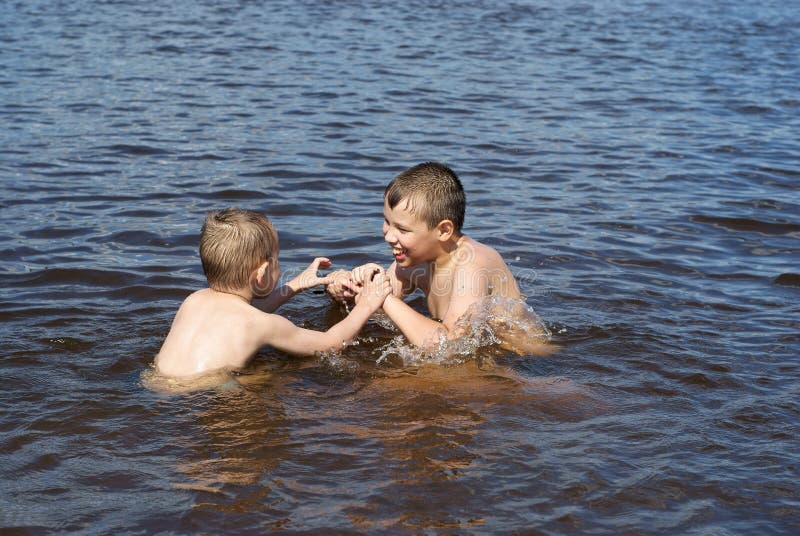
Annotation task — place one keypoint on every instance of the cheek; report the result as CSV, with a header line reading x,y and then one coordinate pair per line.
x,y
405,241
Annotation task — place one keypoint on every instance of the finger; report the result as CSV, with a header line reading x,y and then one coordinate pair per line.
x,y
316,262
327,280
325,262
370,269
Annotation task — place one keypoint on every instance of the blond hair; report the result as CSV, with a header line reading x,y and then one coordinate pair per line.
x,y
433,193
234,242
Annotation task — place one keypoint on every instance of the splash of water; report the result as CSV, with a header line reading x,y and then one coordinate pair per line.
x,y
338,365
507,323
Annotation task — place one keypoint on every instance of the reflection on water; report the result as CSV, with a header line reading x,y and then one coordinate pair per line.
x,y
242,436
220,379
426,424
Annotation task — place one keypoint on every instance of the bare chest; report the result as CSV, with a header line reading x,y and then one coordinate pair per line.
x,y
439,288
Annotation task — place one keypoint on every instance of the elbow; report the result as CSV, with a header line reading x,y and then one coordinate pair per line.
x,y
433,340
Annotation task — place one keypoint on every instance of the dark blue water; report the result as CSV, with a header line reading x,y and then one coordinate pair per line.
x,y
636,163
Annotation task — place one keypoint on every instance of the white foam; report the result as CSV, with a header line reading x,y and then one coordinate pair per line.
x,y
494,322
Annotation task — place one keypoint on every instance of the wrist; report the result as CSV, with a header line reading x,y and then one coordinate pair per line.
x,y
389,299
362,307
294,286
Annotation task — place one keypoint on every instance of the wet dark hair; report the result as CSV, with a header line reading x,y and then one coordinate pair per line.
x,y
233,243
433,193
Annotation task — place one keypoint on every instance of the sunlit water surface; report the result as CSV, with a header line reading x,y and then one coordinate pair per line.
x,y
636,164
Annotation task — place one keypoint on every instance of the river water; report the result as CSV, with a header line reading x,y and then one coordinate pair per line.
x,y
636,163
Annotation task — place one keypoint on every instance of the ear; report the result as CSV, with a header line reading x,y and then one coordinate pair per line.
x,y
261,273
445,230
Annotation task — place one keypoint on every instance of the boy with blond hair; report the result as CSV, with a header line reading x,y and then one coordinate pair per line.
x,y
423,212
220,328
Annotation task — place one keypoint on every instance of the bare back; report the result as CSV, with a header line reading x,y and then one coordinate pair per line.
x,y
216,330
211,330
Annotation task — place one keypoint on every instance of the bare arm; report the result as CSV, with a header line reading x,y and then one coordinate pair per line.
x,y
419,330
426,332
275,299
307,279
284,335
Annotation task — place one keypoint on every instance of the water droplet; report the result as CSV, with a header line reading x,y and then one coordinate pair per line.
x,y
496,320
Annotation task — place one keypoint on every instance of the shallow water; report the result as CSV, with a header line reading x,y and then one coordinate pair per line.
x,y
635,163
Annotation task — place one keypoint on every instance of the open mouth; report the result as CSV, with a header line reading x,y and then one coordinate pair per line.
x,y
399,254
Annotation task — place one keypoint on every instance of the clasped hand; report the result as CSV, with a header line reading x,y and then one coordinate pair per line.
x,y
346,286
373,288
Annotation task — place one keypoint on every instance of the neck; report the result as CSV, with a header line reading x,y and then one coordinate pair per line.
x,y
246,296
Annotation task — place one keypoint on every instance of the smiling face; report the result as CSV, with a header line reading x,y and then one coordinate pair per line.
x,y
411,240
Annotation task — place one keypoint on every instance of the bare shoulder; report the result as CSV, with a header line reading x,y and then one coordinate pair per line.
x,y
472,254
199,298
484,263
252,318
214,312
193,304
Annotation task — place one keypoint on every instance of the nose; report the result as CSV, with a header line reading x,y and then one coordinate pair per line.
x,y
387,235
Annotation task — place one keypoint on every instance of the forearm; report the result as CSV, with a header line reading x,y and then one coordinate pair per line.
x,y
282,334
347,329
275,299
418,329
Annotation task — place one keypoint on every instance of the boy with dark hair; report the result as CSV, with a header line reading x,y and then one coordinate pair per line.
x,y
423,214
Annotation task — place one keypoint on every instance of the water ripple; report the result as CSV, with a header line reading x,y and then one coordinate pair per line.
x,y
635,163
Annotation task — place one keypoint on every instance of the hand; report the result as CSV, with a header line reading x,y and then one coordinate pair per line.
x,y
375,291
341,288
309,277
361,274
